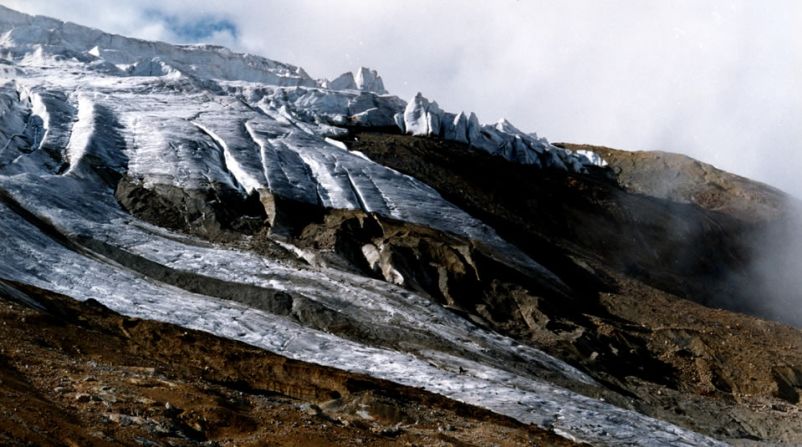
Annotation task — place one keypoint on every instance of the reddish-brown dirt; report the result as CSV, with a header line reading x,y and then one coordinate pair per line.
x,y
79,374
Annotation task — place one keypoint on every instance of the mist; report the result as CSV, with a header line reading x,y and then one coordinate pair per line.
x,y
775,268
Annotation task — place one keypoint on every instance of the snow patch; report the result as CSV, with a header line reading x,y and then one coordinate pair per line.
x,y
336,143
81,133
593,158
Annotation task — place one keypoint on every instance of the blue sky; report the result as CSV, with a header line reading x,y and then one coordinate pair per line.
x,y
718,80
194,29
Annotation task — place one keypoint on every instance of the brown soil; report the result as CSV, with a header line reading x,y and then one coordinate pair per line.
x,y
78,374
680,178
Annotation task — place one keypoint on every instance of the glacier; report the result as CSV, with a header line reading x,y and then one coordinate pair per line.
x,y
80,107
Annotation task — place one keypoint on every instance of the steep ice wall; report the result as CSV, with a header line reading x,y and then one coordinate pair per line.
x,y
369,80
364,79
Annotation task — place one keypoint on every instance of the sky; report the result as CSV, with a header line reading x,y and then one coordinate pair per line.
x,y
720,81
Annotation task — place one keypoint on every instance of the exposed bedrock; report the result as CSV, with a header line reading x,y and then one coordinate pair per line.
x,y
465,276
457,273
214,213
700,253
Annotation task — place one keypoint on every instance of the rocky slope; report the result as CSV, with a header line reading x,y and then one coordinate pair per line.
x,y
472,274
635,262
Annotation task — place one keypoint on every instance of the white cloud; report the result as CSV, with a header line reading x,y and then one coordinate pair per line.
x,y
717,80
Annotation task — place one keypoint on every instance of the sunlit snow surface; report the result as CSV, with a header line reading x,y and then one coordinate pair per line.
x,y
72,99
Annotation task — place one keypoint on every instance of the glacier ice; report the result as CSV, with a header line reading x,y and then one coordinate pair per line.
x,y
422,117
364,79
78,106
343,82
369,80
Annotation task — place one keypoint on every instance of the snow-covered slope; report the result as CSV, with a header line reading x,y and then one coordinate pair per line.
x,y
80,108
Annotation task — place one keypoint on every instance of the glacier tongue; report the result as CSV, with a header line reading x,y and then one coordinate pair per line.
x,y
79,108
